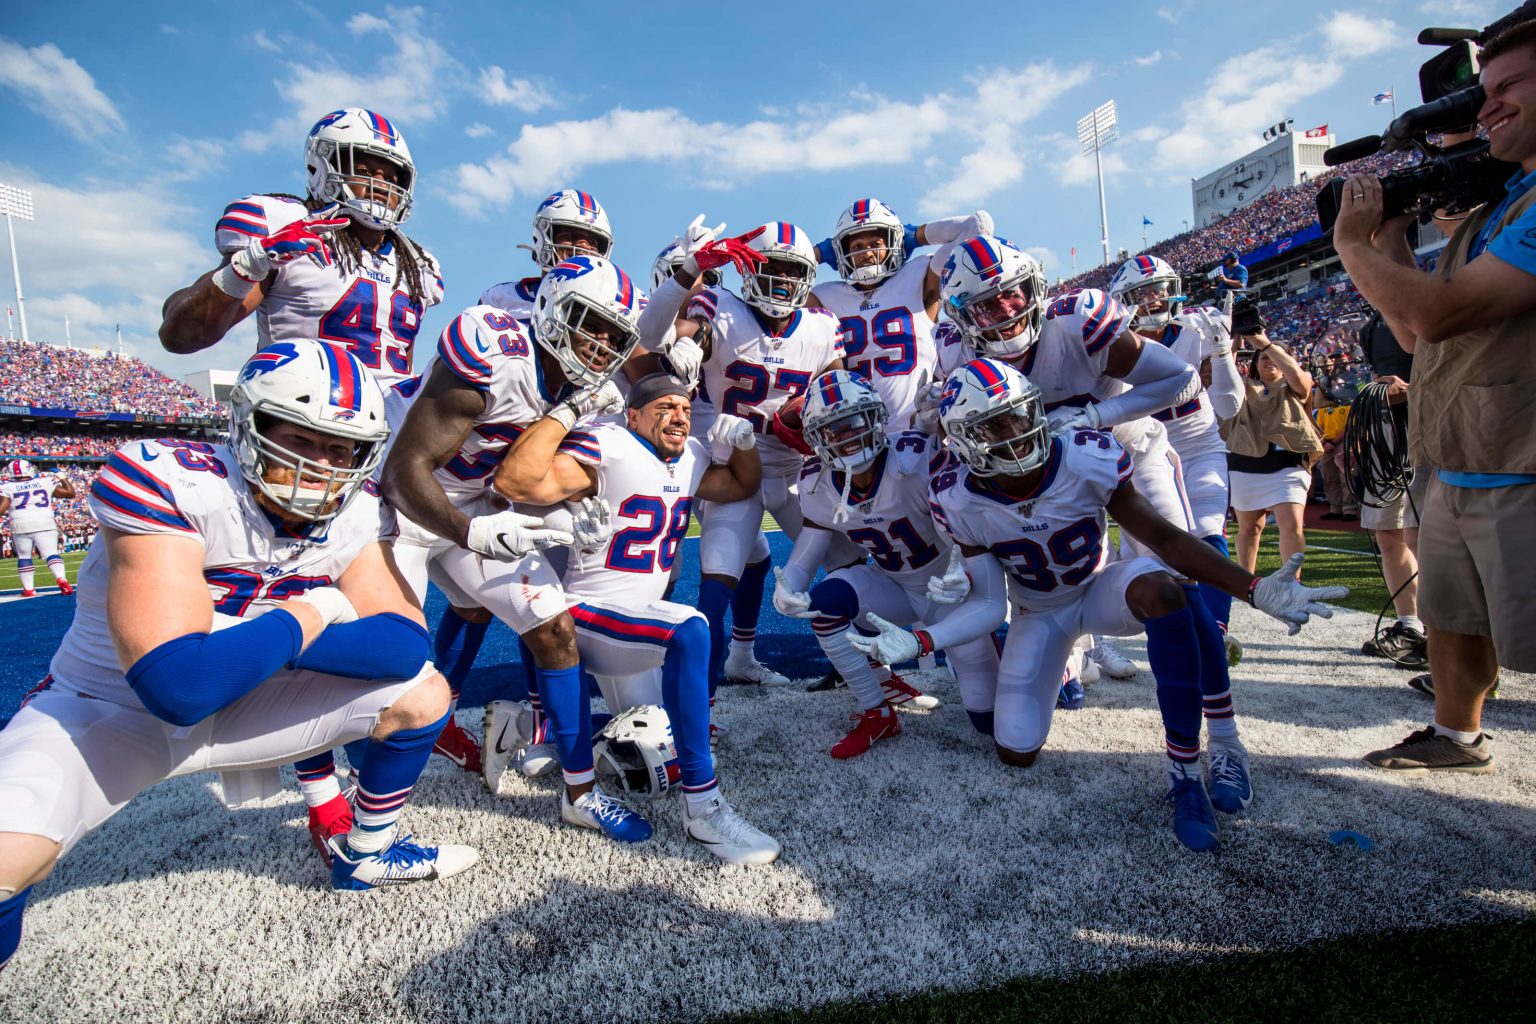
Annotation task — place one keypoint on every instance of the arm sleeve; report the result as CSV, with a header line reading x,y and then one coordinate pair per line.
x,y
463,350
1159,380
660,313
384,646
185,680
1226,388
981,612
810,548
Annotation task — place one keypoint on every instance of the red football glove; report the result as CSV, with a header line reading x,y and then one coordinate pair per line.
x,y
788,427
302,238
735,251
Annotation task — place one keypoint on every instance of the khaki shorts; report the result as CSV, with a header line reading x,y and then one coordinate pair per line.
x,y
1398,515
1476,550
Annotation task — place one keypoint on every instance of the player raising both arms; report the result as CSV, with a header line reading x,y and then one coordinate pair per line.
x,y
888,301
873,490
760,350
1029,504
241,609
26,497
647,473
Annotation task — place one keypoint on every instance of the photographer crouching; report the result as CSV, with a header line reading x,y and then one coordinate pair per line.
x,y
1471,326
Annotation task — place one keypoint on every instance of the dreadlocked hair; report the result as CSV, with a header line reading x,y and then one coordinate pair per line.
x,y
349,253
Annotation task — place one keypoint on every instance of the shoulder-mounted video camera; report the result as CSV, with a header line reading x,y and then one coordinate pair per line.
x,y
1451,178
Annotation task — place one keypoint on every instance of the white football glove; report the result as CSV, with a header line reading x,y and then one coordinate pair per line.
x,y
1219,327
979,223
696,236
508,536
731,432
1067,418
891,646
930,389
602,400
1280,594
331,603
686,357
794,604
955,585
591,523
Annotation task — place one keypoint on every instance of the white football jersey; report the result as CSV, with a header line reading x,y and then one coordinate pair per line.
x,y
494,352
516,297
892,520
1067,362
31,504
251,561
651,501
1192,427
751,373
364,311
887,334
1053,541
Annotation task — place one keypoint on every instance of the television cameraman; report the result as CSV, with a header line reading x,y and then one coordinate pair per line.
x,y
1471,326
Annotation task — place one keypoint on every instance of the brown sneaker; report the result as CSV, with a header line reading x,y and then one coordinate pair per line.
x,y
1426,751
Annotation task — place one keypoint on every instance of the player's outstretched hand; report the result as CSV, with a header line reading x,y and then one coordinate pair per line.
x,y
794,604
955,585
735,251
686,358
1280,594
891,646
1068,418
302,239
508,536
696,236
731,432
591,523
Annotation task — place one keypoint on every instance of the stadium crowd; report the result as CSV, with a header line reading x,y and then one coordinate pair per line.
x,y
48,376
43,443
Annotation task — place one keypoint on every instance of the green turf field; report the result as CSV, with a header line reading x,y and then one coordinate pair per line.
x,y
10,581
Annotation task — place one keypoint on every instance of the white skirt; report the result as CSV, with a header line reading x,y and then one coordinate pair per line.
x,y
1254,492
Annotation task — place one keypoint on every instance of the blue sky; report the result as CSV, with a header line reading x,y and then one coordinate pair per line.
x,y
135,124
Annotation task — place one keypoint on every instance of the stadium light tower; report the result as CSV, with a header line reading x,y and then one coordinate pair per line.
x,y
16,202
1094,131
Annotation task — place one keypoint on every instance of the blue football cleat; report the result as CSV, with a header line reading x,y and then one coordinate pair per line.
x,y
1071,697
1231,788
1194,821
613,818
398,863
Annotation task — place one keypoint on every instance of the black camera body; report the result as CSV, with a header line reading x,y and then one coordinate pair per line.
x,y
1455,178
1246,318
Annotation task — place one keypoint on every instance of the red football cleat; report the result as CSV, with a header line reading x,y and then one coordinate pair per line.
x,y
899,692
29,593
868,728
65,588
332,818
458,746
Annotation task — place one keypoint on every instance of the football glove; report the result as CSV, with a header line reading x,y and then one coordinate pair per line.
x,y
591,523
717,253
1068,418
731,432
892,645
696,236
508,536
686,358
1280,594
602,400
930,390
794,604
301,239
955,585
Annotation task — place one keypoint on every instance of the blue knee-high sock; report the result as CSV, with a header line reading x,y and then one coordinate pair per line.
x,y
1213,651
1173,649
981,721
747,602
530,671
10,924
357,752
1216,599
685,694
714,599
455,647
568,708
389,773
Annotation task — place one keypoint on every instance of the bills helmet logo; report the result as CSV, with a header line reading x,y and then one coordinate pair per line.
x,y
328,120
947,397
572,268
268,359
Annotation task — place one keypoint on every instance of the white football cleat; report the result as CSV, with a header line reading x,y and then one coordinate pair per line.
x,y
1114,664
727,835
900,693
753,671
1088,674
507,730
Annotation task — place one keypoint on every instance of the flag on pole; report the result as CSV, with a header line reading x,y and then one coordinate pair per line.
x,y
1144,222
1274,131
1319,132
1074,250
1382,97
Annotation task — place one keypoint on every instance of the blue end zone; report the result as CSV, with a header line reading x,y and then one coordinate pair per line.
x,y
33,628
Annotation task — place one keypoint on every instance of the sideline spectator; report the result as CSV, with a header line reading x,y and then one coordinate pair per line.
x,y
50,377
1234,276
1272,443
1332,417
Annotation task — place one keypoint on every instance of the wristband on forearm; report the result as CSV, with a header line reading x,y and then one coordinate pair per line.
x,y
231,282
924,642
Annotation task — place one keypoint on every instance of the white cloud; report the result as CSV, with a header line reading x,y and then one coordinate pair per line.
x,y
364,22
190,159
1074,167
1358,36
1168,15
1148,60
521,93
72,264
57,87
1470,13
264,42
477,130
1049,261
981,173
